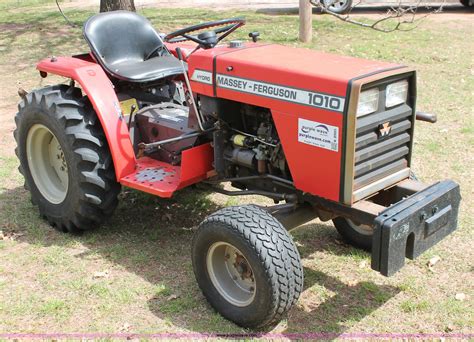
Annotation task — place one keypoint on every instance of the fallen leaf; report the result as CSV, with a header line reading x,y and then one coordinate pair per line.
x,y
100,274
450,328
172,297
460,296
433,261
14,236
10,235
125,327
352,283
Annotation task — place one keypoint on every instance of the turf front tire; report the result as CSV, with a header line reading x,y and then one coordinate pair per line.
x,y
65,159
357,235
247,266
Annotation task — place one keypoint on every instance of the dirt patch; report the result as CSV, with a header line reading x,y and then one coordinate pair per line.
x,y
14,27
7,125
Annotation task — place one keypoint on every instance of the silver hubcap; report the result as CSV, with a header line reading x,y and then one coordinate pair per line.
x,y
335,4
47,163
231,274
363,229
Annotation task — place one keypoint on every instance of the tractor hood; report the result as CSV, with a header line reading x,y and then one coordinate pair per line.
x,y
305,90
296,67
287,69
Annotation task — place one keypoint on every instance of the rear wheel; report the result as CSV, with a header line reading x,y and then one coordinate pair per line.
x,y
65,159
357,235
247,266
467,3
47,164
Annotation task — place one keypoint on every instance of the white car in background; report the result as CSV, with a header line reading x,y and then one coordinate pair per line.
x,y
343,6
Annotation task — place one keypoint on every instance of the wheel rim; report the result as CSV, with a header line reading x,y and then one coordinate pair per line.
x,y
47,163
231,274
363,229
335,4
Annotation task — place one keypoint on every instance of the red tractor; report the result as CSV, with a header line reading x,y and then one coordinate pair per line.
x,y
324,136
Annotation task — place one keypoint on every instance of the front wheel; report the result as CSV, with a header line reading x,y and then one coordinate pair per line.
x,y
357,235
247,266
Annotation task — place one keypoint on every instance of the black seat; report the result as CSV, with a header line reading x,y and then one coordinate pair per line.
x,y
122,41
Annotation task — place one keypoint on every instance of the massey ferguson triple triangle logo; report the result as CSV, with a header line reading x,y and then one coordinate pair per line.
x,y
384,129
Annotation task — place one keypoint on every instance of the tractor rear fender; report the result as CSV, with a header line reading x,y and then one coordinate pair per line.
x,y
100,91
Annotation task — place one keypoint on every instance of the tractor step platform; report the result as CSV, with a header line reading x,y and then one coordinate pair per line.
x,y
163,179
155,177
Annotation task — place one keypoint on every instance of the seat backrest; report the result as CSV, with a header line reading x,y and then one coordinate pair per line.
x,y
120,36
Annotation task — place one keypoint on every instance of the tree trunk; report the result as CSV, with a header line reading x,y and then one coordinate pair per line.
x,y
306,21
115,5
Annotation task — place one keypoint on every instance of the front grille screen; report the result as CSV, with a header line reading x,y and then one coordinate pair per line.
x,y
382,145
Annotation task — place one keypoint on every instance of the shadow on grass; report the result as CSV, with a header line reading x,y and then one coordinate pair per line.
x,y
336,313
317,236
151,237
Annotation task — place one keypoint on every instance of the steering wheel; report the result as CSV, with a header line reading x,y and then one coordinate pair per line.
x,y
207,39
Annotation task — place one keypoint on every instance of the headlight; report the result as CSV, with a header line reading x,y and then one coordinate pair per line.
x,y
396,93
368,102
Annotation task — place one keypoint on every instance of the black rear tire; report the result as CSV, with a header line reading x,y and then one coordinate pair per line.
x,y
467,3
270,253
92,191
356,235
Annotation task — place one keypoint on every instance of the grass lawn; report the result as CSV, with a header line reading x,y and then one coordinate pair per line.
x,y
134,274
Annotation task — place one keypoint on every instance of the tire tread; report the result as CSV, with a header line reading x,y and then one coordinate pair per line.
x,y
275,249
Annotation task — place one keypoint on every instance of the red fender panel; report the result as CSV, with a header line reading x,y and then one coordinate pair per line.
x,y
100,91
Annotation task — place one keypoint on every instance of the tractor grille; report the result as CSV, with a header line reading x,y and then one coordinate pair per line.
x,y
378,156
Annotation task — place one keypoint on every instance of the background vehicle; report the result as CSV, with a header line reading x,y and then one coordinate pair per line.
x,y
331,140
344,6
338,6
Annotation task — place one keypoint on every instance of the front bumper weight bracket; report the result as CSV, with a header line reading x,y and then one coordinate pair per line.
x,y
413,225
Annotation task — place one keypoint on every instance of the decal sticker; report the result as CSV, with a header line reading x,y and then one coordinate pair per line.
x,y
274,91
300,96
202,76
318,134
